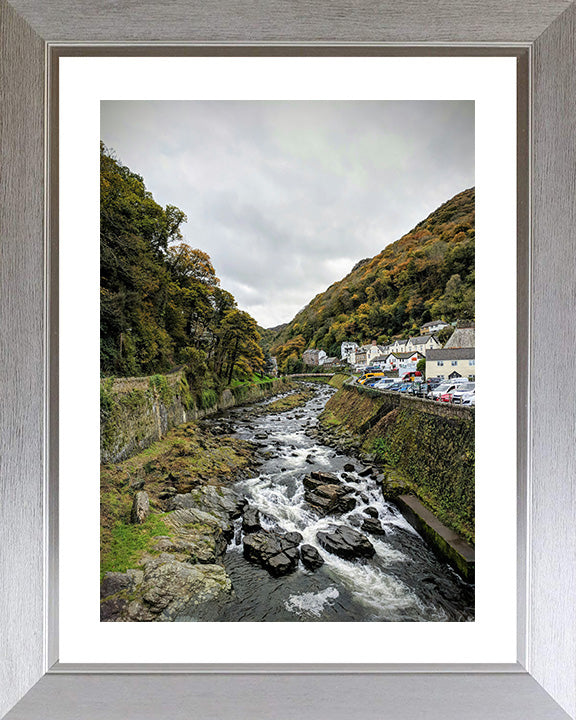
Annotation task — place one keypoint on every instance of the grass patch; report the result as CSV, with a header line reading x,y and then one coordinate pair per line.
x,y
208,398
127,543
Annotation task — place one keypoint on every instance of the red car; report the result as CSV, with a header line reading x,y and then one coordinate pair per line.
x,y
446,397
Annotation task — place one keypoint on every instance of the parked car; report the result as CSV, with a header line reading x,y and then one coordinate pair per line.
x,y
404,387
395,387
463,393
370,375
446,387
384,383
445,397
418,389
412,375
371,382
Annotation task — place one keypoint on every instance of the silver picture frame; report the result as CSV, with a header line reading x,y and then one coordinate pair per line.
x,y
542,684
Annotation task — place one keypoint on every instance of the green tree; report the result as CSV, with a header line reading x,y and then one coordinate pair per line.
x,y
421,366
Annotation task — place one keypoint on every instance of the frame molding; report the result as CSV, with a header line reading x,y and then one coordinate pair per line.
x,y
547,29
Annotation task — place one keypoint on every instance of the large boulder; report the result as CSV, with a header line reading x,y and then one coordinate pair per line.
x,y
116,582
345,542
200,536
117,592
251,520
173,588
311,558
274,552
165,589
373,526
220,501
326,477
330,499
140,508
311,483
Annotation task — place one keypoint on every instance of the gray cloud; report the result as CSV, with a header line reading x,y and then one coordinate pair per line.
x,y
287,196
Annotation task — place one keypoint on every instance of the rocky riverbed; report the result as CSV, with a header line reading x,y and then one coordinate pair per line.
x,y
255,517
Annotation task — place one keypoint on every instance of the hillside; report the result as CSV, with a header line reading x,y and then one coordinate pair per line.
x,y
426,274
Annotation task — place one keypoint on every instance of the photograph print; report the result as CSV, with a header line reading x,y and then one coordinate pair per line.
x,y
287,361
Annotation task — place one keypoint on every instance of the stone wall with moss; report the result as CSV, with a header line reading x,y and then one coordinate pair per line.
x,y
135,412
427,447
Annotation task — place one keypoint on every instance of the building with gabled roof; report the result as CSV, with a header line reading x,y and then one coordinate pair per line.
x,y
423,343
312,356
451,362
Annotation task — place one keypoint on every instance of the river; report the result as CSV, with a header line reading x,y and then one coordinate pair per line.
x,y
404,581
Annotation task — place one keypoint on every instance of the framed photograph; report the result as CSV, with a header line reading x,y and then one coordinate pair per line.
x,y
273,509
485,101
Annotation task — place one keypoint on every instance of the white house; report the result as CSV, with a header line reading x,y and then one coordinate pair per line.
x,y
373,352
403,362
398,346
451,362
379,361
433,326
346,349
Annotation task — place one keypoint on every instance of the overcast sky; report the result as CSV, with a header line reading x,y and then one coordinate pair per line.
x,y
286,197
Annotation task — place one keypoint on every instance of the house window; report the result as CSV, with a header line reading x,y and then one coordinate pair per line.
x,y
440,363
471,362
454,362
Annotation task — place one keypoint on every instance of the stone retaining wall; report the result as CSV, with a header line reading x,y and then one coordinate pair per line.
x,y
135,412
